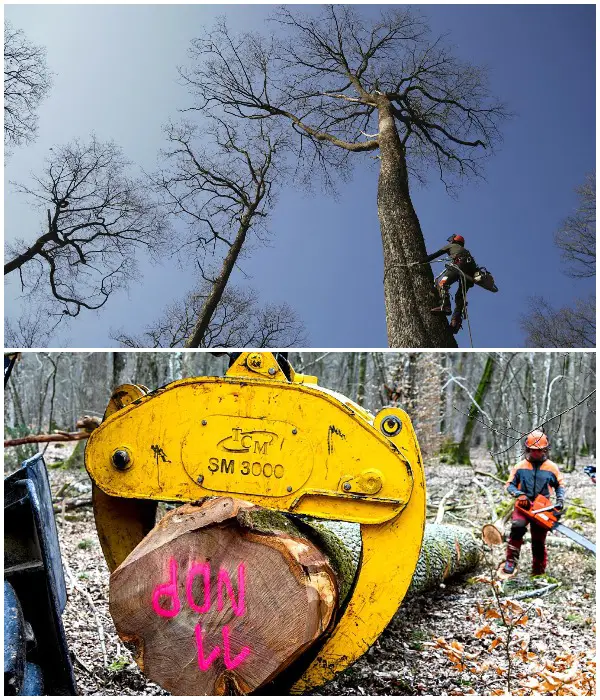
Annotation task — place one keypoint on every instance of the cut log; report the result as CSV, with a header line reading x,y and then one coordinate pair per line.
x,y
447,551
224,597
219,599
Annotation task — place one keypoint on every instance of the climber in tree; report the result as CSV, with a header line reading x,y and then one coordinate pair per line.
x,y
534,475
460,260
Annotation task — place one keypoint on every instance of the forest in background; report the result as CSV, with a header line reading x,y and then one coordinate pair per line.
x,y
451,638
457,401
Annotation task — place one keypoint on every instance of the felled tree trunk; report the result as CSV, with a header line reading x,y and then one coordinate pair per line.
x,y
222,598
53,437
447,551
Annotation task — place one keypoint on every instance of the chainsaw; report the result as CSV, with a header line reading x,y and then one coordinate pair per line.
x,y
544,513
318,454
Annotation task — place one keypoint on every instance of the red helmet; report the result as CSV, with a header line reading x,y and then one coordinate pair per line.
x,y
456,238
537,440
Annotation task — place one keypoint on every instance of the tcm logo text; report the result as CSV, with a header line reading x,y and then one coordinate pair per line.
x,y
254,441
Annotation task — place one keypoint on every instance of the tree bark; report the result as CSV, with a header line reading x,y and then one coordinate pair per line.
x,y
118,367
218,288
362,374
463,451
296,574
408,289
19,260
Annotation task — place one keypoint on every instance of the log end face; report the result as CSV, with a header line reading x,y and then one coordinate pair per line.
x,y
215,608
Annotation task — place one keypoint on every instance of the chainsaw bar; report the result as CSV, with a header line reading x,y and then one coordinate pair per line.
x,y
575,536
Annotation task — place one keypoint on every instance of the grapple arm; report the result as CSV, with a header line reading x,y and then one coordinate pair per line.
x,y
284,444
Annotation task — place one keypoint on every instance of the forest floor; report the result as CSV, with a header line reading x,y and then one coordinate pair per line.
x,y
437,643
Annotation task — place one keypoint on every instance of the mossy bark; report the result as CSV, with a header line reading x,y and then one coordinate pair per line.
x,y
76,460
463,450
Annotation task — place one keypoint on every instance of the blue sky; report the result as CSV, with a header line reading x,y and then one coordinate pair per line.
x,y
115,75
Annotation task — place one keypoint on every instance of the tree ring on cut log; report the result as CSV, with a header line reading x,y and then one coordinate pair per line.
x,y
219,599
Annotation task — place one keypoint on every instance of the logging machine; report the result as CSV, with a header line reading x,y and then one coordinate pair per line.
x,y
273,437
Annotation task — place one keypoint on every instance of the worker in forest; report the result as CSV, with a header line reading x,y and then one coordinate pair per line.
x,y
535,475
461,261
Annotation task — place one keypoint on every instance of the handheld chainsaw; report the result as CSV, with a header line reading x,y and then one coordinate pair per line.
x,y
544,513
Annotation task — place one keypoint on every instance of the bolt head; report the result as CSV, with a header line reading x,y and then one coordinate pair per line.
x,y
294,431
272,371
121,459
200,479
255,359
289,489
346,486
203,422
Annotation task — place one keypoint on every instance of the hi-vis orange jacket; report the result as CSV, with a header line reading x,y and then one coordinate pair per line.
x,y
532,479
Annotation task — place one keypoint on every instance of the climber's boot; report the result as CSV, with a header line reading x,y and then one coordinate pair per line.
x,y
456,322
444,306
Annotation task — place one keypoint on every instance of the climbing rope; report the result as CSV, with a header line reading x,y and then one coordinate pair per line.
x,y
463,283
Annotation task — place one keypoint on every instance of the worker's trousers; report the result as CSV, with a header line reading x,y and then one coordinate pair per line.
x,y
448,278
538,542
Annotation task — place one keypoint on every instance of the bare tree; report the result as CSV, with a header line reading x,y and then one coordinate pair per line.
x,y
567,327
343,85
570,326
238,321
27,81
32,329
222,191
96,218
576,238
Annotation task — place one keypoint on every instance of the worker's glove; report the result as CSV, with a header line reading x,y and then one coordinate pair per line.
x,y
558,508
523,502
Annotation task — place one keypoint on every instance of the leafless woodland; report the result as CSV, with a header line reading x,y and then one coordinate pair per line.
x,y
513,393
487,400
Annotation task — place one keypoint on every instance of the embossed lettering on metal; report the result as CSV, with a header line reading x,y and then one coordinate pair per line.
x,y
258,456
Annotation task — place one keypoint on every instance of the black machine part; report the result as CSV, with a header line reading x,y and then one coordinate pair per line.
x,y
35,592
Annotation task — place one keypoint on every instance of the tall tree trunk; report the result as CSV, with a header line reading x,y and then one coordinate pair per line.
x,y
362,373
196,339
463,452
408,289
118,367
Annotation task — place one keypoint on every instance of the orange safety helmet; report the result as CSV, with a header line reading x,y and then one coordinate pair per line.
x,y
537,440
456,238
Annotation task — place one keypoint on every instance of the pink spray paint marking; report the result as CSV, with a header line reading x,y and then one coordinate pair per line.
x,y
198,570
204,664
167,589
229,662
239,607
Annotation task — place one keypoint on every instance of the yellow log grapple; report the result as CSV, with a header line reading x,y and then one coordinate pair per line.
x,y
281,442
